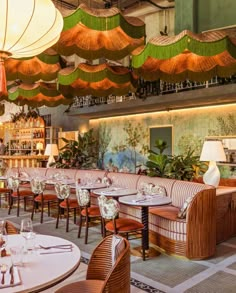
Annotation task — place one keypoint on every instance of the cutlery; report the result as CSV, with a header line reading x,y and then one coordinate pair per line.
x,y
3,271
55,252
11,272
62,246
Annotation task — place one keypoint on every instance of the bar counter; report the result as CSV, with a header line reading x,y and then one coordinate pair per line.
x,y
25,160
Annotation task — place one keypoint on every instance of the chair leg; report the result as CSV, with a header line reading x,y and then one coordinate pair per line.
x,y
32,214
10,204
75,215
18,206
48,208
58,216
67,219
42,208
86,228
80,224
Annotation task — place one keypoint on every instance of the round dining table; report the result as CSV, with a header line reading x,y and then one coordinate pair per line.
x,y
41,268
145,203
115,192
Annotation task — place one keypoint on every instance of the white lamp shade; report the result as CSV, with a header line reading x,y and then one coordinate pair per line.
x,y
213,151
39,146
28,27
51,150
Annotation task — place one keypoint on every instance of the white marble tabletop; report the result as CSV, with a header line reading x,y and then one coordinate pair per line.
x,y
40,271
154,200
115,191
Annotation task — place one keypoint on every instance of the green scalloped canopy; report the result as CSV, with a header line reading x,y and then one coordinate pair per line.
x,y
208,44
105,19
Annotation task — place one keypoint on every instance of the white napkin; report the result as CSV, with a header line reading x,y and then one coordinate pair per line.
x,y
17,280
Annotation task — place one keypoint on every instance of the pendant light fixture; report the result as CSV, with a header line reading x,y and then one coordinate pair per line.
x,y
27,28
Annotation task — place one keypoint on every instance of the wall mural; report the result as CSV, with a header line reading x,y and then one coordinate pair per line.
x,y
125,140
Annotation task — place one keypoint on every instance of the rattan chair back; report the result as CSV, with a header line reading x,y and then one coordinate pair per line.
x,y
100,267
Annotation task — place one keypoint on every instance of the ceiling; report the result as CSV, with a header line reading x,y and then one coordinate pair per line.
x,y
134,7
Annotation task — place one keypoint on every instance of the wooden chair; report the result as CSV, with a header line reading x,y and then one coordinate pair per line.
x,y
87,212
105,273
109,209
17,194
65,203
38,187
10,228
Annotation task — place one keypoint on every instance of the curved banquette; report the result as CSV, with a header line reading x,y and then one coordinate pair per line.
x,y
193,236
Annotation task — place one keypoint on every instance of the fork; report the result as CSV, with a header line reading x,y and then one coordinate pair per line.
x,y
3,271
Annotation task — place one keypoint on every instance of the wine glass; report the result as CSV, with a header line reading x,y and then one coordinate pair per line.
x,y
26,230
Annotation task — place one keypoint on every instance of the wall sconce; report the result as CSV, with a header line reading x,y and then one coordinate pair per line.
x,y
213,152
51,151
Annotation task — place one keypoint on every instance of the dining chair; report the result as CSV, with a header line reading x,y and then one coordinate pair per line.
x,y
10,228
17,194
38,186
108,269
112,223
87,212
5,193
65,203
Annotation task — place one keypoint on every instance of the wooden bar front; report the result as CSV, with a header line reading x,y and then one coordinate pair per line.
x,y
25,161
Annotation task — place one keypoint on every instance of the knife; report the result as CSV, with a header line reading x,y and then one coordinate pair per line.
x,y
55,252
11,272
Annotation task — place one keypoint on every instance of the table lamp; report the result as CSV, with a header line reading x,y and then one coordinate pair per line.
x,y
39,147
213,152
51,151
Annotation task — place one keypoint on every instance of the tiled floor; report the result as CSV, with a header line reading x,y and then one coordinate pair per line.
x,y
158,274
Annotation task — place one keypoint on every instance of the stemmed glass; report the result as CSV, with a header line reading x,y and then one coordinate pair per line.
x,y
26,230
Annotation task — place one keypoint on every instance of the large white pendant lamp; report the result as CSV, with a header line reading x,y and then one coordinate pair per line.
x,y
27,28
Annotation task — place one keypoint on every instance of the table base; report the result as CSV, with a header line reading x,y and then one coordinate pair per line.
x,y
151,252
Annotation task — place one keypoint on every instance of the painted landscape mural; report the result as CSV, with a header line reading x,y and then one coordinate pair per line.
x,y
124,141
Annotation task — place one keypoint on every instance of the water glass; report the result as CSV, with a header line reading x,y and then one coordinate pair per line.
x,y
17,255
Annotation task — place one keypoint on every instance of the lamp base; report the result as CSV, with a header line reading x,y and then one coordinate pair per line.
x,y
50,161
212,175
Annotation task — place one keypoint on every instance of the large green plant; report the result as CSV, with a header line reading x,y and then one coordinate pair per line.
x,y
81,153
182,167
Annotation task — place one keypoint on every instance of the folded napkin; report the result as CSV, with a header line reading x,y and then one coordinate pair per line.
x,y
16,275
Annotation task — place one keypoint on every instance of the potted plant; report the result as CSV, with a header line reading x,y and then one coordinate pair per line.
x,y
181,167
81,153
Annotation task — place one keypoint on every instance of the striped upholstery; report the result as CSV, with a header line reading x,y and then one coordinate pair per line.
x,y
167,183
181,191
164,221
124,179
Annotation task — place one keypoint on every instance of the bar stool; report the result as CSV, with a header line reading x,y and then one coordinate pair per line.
x,y
65,203
87,212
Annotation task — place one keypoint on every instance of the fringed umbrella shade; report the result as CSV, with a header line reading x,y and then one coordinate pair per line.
x,y
42,67
188,66
37,95
97,33
186,56
98,80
